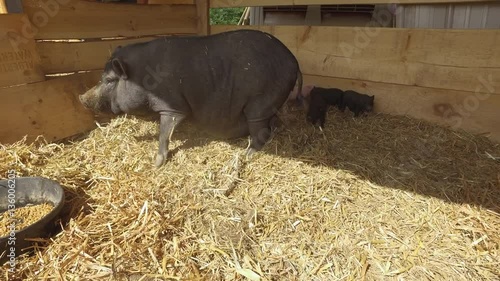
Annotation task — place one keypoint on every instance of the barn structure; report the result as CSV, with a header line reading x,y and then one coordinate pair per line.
x,y
410,192
431,73
441,15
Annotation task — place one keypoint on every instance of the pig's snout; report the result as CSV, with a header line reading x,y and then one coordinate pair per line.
x,y
89,98
81,98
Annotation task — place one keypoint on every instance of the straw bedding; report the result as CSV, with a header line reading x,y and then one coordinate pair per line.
x,y
375,198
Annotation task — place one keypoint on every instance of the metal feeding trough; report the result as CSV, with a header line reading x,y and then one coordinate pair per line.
x,y
21,192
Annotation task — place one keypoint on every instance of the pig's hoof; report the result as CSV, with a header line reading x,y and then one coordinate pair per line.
x,y
160,160
250,153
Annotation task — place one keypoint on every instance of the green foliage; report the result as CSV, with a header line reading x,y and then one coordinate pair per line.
x,y
225,15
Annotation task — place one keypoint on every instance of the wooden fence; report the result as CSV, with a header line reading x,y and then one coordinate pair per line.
x,y
254,3
72,36
444,76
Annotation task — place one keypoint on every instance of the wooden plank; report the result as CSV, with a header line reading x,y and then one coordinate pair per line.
x,y
472,112
443,59
255,3
171,2
83,19
19,60
463,48
61,57
425,75
49,108
3,7
313,15
203,18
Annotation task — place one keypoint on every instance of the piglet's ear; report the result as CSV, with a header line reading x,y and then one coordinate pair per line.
x,y
119,68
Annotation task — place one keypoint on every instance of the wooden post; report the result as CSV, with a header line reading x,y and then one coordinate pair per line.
x,y
313,15
202,8
3,7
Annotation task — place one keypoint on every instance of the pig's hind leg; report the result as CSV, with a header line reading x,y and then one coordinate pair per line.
x,y
260,133
262,120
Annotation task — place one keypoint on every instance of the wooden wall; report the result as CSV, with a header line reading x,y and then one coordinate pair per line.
x,y
450,77
254,3
444,76
72,36
3,7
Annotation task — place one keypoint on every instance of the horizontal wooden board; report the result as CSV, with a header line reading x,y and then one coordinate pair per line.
x,y
475,113
84,19
19,60
170,2
250,3
460,48
49,108
60,57
443,59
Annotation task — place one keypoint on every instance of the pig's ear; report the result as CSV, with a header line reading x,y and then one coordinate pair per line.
x,y
119,68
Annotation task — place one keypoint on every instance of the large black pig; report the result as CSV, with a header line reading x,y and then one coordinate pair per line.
x,y
230,84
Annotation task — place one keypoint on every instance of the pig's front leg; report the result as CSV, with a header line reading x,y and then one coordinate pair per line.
x,y
168,122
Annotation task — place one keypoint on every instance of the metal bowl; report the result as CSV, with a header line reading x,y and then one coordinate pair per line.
x,y
29,190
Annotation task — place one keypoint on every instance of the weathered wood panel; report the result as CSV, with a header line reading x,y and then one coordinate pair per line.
x,y
76,19
203,17
250,3
472,112
443,59
3,7
49,108
170,2
60,57
19,60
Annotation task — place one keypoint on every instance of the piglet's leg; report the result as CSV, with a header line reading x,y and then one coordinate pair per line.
x,y
168,122
322,120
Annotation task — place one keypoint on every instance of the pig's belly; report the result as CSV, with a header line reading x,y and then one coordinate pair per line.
x,y
225,128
